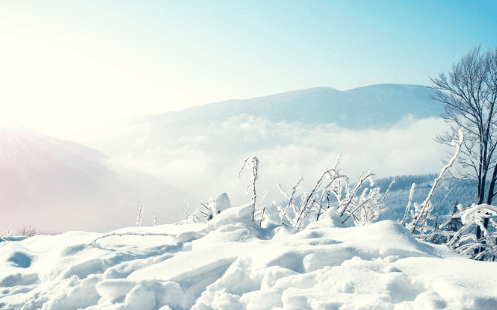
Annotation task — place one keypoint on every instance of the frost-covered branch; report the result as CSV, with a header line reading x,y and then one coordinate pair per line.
x,y
139,218
465,241
131,234
252,162
291,201
364,208
388,189
421,217
409,204
350,195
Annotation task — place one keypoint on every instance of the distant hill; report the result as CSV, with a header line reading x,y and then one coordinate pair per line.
x,y
448,192
370,107
57,185
376,106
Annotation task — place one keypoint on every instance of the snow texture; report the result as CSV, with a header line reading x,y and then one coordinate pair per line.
x,y
231,263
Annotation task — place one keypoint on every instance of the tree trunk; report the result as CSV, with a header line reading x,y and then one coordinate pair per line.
x,y
490,197
482,178
491,188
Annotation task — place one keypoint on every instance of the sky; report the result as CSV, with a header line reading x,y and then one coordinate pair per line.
x,y
67,67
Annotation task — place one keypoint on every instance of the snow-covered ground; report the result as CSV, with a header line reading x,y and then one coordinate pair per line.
x,y
232,263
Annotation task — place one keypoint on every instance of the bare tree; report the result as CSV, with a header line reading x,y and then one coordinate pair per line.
x,y
468,95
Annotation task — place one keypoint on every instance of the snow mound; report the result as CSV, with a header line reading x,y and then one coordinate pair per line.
x,y
231,263
221,202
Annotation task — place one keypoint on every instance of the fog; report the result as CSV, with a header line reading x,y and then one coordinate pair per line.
x,y
57,185
205,160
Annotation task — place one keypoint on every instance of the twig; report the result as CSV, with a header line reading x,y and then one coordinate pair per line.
x,y
132,234
426,206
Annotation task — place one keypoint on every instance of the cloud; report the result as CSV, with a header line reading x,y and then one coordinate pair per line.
x,y
206,160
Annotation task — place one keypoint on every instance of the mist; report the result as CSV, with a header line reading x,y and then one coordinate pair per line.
x,y
206,159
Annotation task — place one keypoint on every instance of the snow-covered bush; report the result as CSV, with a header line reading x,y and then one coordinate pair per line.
x,y
215,206
451,224
28,232
333,190
465,242
356,201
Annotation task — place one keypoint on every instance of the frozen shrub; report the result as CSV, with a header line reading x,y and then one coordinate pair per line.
x,y
215,206
465,241
357,202
28,232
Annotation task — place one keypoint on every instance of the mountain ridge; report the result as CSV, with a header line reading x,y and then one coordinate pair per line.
x,y
375,106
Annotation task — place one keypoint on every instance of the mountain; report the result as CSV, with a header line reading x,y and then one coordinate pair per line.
x,y
214,127
447,193
56,185
376,106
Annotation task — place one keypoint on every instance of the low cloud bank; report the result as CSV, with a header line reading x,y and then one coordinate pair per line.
x,y
206,160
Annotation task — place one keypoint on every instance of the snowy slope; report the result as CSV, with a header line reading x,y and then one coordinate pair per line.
x,y
56,185
230,263
375,106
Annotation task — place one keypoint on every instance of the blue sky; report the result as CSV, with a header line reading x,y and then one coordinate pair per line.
x,y
77,64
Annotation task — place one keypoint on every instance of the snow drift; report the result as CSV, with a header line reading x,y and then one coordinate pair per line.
x,y
231,263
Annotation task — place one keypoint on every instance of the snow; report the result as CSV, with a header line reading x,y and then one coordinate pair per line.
x,y
232,263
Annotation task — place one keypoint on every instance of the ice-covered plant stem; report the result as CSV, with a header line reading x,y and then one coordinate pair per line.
x,y
251,162
409,204
423,211
362,208
465,242
139,218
